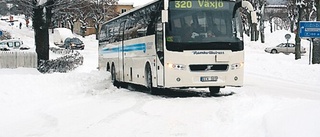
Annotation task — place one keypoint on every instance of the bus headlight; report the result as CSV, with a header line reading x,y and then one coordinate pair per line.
x,y
176,66
236,66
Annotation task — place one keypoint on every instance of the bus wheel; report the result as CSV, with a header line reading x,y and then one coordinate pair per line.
x,y
113,76
150,89
214,90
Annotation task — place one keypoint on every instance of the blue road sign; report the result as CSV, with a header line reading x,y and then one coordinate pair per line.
x,y
0,33
309,29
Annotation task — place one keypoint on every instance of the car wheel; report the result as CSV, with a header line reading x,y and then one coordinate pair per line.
x,y
274,51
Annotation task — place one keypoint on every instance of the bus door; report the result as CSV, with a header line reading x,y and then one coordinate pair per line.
x,y
160,53
122,51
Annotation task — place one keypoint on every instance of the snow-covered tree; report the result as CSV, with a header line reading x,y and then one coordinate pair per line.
x,y
41,12
3,8
101,11
260,6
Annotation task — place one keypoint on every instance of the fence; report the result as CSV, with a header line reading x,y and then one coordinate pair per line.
x,y
15,59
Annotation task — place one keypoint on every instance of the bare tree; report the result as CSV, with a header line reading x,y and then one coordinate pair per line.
x,y
101,11
260,6
292,14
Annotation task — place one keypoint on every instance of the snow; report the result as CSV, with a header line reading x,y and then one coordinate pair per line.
x,y
280,98
41,2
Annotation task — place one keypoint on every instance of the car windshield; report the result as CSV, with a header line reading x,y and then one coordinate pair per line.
x,y
76,41
280,45
73,40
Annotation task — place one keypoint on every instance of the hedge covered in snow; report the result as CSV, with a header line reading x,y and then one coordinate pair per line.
x,y
71,60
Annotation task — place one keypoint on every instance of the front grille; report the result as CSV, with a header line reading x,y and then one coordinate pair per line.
x,y
208,67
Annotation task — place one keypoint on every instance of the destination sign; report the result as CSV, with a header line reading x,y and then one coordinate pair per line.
x,y
203,4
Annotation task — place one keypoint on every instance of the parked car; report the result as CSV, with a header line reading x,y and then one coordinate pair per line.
x,y
60,35
285,48
73,43
6,45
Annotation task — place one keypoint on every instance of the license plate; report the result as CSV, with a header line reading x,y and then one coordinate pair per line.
x,y
208,78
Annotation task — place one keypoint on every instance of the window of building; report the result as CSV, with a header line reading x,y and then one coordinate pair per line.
x,y
123,10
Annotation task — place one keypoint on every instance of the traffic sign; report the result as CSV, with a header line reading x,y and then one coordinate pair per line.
x,y
0,33
287,36
309,29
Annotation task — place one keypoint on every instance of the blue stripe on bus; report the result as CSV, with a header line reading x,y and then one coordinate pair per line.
x,y
127,48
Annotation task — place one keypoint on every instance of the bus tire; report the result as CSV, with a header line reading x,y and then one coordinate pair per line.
x,y
214,90
148,75
108,68
113,76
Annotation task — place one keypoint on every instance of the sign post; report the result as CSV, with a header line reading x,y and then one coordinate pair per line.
x,y
287,36
309,30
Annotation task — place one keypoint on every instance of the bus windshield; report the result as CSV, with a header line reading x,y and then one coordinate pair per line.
x,y
200,22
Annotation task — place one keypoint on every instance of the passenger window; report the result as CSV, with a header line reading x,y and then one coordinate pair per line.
x,y
10,44
292,45
17,44
287,45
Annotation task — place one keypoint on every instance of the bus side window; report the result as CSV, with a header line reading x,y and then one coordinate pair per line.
x,y
110,32
151,23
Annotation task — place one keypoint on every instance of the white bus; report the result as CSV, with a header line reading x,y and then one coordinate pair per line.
x,y
176,44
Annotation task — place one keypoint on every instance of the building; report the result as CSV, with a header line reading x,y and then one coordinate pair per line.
x,y
123,7
119,8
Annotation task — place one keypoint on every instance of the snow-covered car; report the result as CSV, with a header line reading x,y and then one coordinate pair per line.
x,y
285,48
10,44
4,18
60,34
73,43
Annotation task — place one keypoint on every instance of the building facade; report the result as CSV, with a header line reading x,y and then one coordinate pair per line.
x,y
119,8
